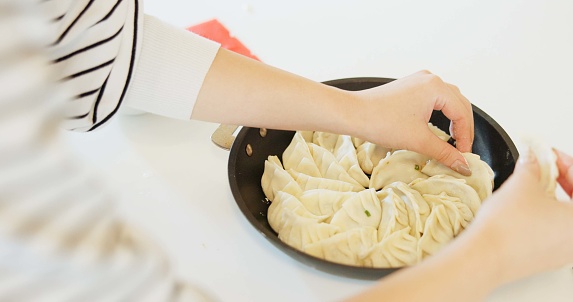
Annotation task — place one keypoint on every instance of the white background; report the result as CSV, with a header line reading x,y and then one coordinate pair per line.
x,y
513,59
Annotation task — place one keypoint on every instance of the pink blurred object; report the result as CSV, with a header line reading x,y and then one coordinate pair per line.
x,y
217,32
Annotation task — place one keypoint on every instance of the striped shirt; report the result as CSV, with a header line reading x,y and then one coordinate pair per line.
x,y
80,61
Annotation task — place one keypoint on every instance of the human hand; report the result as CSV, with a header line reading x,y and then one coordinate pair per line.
x,y
404,107
565,166
528,231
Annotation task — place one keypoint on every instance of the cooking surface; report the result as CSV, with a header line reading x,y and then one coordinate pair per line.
x,y
511,59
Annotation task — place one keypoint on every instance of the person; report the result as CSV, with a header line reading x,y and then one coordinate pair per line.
x,y
80,62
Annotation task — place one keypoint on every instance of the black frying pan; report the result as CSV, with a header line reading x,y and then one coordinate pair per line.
x,y
252,146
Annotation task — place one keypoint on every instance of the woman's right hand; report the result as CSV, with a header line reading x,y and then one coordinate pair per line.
x,y
529,231
565,165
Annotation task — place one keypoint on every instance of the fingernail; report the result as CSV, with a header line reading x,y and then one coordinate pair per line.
x,y
568,160
462,168
569,176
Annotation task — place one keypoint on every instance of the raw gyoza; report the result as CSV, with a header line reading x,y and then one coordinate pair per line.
x,y
360,210
299,232
482,174
324,201
350,201
369,155
402,165
286,202
329,167
397,215
345,247
546,159
346,156
276,179
438,231
297,157
307,182
396,250
452,186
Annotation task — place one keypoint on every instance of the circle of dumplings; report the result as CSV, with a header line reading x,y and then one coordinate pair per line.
x,y
353,202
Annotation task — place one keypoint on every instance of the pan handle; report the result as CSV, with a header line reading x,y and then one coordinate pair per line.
x,y
223,136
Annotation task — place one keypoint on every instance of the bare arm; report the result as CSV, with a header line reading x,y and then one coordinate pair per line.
x,y
464,271
241,91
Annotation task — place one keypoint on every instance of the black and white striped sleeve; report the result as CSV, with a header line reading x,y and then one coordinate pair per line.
x,y
107,54
62,236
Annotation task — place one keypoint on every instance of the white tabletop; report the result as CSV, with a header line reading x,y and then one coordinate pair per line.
x,y
510,58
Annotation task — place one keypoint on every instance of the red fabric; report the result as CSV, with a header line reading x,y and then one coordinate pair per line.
x,y
214,30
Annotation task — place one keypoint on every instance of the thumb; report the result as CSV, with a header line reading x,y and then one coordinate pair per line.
x,y
445,153
527,167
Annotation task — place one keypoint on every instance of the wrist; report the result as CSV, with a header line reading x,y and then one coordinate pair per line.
x,y
351,114
482,252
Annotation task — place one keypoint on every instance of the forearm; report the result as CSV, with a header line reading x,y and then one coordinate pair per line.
x,y
241,91
237,90
463,271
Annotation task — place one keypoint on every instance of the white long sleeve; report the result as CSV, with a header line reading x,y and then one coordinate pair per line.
x,y
107,53
172,65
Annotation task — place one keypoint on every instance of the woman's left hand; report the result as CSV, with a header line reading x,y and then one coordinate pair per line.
x,y
403,109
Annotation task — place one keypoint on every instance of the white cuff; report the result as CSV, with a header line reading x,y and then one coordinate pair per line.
x,y
171,68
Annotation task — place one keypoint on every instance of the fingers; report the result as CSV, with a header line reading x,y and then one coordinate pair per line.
x,y
444,153
458,109
468,106
527,168
565,166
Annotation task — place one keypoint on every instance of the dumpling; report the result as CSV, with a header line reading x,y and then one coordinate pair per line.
x,y
324,202
459,213
547,160
306,183
360,210
481,179
396,215
369,155
345,154
397,250
325,140
435,185
286,202
439,132
299,232
329,167
413,199
275,179
345,247
438,232
357,142
307,135
402,165
297,157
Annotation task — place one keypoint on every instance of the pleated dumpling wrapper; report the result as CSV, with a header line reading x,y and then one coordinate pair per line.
x,y
345,247
349,201
346,156
481,179
402,165
276,179
546,159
